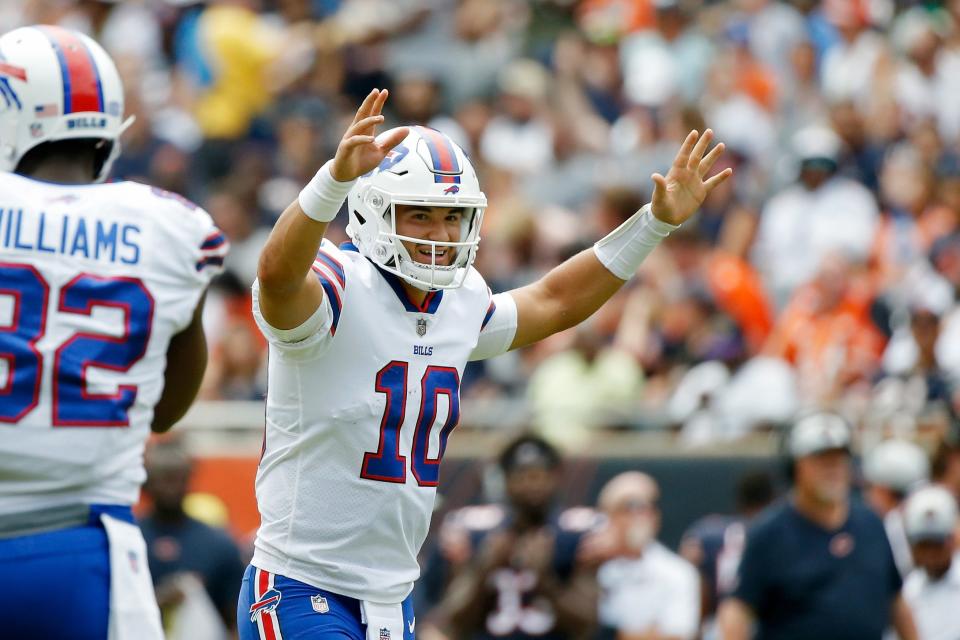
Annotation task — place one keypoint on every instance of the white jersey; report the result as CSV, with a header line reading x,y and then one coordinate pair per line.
x,y
94,282
360,402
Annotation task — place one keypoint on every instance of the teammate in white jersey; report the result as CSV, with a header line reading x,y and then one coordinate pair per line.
x,y
101,288
367,346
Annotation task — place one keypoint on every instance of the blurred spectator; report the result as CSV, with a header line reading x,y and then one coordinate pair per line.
x,y
584,387
110,22
850,66
819,564
183,553
827,334
820,214
714,545
233,62
774,29
512,571
520,137
893,469
933,589
647,591
668,61
946,464
235,213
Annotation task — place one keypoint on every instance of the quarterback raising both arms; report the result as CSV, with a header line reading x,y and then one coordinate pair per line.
x,y
368,342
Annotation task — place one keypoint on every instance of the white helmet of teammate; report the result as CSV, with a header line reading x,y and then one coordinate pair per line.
x,y
426,169
57,84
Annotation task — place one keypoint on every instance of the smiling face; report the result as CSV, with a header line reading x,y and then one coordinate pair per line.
x,y
438,224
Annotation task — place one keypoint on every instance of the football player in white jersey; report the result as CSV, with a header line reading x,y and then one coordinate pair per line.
x,y
367,346
101,288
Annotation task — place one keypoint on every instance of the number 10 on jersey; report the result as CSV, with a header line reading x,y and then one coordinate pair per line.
x,y
387,464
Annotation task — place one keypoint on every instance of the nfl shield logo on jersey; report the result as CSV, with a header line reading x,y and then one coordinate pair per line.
x,y
421,326
384,633
319,604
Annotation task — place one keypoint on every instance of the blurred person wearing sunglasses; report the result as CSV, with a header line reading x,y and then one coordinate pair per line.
x,y
647,592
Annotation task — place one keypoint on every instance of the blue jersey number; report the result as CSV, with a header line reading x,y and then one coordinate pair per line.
x,y
387,464
18,340
73,404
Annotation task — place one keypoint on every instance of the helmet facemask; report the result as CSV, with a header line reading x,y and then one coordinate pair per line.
x,y
429,276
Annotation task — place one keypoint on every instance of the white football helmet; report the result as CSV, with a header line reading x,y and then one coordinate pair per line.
x,y
427,169
57,84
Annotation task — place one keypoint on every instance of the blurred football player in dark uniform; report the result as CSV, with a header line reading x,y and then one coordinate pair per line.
x,y
512,570
714,544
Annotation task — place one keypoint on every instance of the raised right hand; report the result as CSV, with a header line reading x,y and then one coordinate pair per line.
x,y
359,152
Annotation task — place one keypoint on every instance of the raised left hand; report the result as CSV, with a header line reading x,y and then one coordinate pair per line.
x,y
677,196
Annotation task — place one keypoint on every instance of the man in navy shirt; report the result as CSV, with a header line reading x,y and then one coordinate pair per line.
x,y
818,565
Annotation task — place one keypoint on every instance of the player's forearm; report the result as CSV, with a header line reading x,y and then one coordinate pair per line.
x,y
186,363
574,290
293,244
290,250
566,296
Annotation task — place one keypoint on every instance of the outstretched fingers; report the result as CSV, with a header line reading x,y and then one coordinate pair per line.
x,y
366,107
356,141
379,101
365,126
718,179
683,156
396,137
707,163
699,149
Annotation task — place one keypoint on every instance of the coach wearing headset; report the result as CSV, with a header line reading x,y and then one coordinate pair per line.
x,y
817,565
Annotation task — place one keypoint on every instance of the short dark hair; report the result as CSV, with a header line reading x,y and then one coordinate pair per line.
x,y
529,449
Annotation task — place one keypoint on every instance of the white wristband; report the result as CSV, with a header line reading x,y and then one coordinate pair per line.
x,y
323,196
622,251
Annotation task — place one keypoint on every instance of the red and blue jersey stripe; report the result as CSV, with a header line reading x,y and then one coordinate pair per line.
x,y
446,167
214,240
331,293
82,87
334,265
490,310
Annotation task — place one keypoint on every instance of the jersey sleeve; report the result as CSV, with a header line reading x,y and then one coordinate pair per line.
x,y
498,328
200,247
311,338
190,251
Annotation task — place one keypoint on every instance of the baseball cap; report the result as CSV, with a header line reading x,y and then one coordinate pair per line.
x,y
818,432
529,451
896,464
930,514
817,142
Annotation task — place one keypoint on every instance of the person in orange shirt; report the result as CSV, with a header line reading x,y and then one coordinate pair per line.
x,y
826,332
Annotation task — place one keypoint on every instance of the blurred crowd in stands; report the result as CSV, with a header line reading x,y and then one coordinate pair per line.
x,y
825,274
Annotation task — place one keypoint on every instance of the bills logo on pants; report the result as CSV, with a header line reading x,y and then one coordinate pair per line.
x,y
263,611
